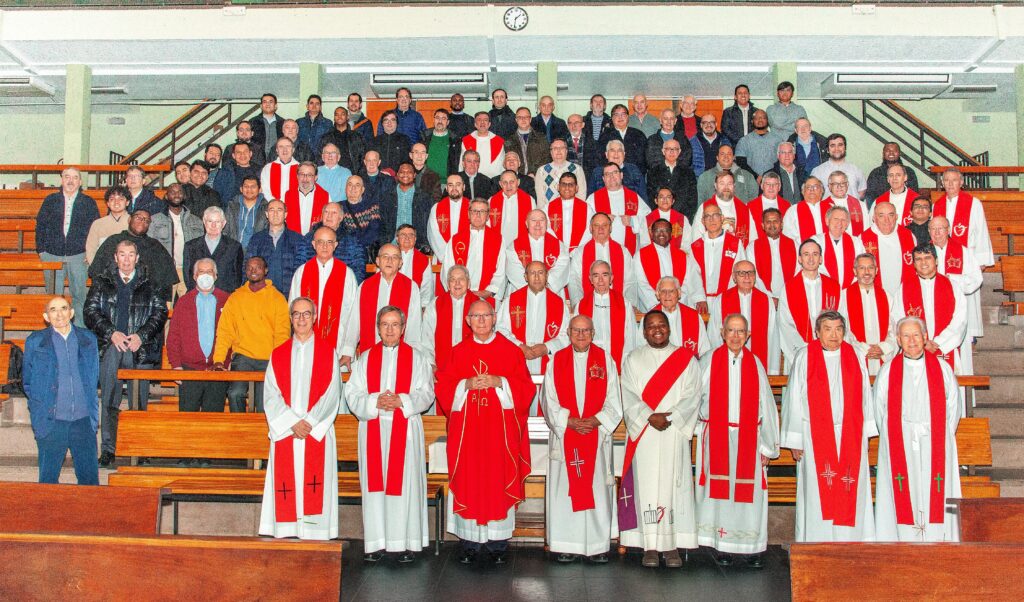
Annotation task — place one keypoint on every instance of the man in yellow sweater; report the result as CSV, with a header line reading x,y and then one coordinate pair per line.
x,y
253,323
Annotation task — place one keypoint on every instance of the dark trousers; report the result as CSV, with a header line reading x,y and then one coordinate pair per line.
x,y
196,396
111,393
80,438
495,546
237,392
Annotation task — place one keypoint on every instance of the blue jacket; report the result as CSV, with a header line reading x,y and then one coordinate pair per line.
x,y
283,260
311,130
50,224
39,374
410,123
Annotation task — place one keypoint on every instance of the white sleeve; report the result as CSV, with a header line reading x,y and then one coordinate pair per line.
x,y
280,417
558,275
361,402
514,270
414,319
447,263
322,416
953,335
647,298
349,317
421,389
793,396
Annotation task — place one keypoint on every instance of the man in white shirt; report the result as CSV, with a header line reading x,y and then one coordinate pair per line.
x,y
838,187
958,264
490,146
891,244
614,317
280,175
773,255
803,298
713,255
660,259
758,308
866,308
837,162
448,216
838,247
535,319
601,247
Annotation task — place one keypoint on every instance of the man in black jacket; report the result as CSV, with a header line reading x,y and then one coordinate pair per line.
x,y
159,265
503,120
301,152
460,123
127,313
666,132
266,127
878,182
738,120
477,185
415,213
391,145
676,175
225,251
552,126
243,133
350,144
632,138
198,193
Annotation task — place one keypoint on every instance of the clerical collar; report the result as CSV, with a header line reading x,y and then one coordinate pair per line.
x,y
720,200
913,359
891,191
764,198
831,352
584,352
303,344
306,192
484,342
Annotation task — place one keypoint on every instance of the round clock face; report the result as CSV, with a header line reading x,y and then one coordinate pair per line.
x,y
516,18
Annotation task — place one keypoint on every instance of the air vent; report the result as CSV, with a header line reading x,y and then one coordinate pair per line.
x,y
109,90
429,84
24,87
896,86
973,89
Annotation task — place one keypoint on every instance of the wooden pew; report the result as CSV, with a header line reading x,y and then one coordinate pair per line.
x,y
1012,267
81,510
1003,209
26,313
997,520
906,571
91,567
18,234
26,269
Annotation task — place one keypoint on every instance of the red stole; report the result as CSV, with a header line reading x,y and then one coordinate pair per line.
x,y
616,257
524,204
579,221
554,306
718,428
960,223
743,225
616,319
443,331
897,453
729,249
328,309
581,459
491,249
944,302
396,451
470,142
401,290
756,208
284,450
758,326
293,219
276,179
954,259
796,299
843,274
855,311
806,219
675,218
443,217
524,252
603,204
838,466
907,244
853,206
652,267
908,203
763,259
420,262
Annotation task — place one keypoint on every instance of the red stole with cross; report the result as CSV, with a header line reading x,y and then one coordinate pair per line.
x,y
756,208
496,144
897,452
855,311
953,262
293,219
443,331
524,204
524,251
908,204
729,250
907,244
616,257
843,274
758,327
420,262
517,312
328,308
718,428
443,217
616,319
277,179
652,265
796,299
943,299
675,218
399,423
690,324
742,230
580,451
960,222
853,206
401,291
763,259
807,221
838,466
579,221
491,250
603,204
284,451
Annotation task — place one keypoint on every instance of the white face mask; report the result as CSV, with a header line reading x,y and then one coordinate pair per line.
x,y
205,281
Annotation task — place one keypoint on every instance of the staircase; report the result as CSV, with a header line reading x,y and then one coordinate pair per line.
x,y
921,145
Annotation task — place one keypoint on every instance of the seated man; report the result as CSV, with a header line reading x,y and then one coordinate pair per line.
x,y
537,244
614,317
686,326
535,319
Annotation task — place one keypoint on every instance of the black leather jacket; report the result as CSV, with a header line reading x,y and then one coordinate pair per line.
x,y
147,314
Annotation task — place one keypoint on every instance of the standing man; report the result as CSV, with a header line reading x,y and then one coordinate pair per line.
x,y
568,214
878,179
460,123
390,388
790,174
115,221
807,217
444,320
404,204
783,114
686,326
535,319
613,316
958,264
141,197
838,248
966,216
736,439
246,214
546,122
860,218
509,207
768,199
804,297
280,175
537,244
641,119
758,150
351,145
660,400
898,193
60,376
357,121
671,171
387,287
410,122
277,245
306,201
224,250
549,175
736,218
866,308
415,264
891,244
481,250
443,145
738,120
837,162
303,396
774,254
313,125
501,117
624,206
601,247
582,410
660,259
62,226
266,127
758,311
713,254
448,216
490,146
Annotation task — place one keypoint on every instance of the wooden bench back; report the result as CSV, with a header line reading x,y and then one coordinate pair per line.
x,y
27,312
89,567
995,520
83,510
1003,208
906,571
27,207
1012,267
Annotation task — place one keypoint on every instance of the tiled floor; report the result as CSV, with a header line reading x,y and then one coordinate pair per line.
x,y
529,575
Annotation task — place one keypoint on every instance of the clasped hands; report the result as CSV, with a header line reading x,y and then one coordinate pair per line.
x,y
482,381
583,426
532,352
389,401
123,342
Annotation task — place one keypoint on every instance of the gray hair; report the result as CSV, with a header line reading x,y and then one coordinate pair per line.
x,y
874,260
725,320
204,260
391,309
836,209
458,268
785,143
615,144
827,316
912,320
214,211
291,306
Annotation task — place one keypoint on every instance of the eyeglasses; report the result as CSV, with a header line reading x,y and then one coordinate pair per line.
x,y
579,331
325,243
302,315
479,316
746,273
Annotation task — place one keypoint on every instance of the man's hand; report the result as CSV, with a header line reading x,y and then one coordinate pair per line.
x,y
218,367
931,347
583,426
483,294
765,460
625,220
134,342
797,454
874,353
659,420
701,307
483,381
345,361
388,401
301,429
119,341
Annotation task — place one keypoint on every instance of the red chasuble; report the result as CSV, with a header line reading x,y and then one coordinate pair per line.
x,y
277,178
328,309
837,462
399,423
944,301
675,218
717,428
743,220
524,204
617,318
443,330
796,299
763,259
284,450
517,312
443,218
758,326
603,204
293,219
401,291
855,309
488,446
580,451
908,204
729,250
617,259
579,221
960,223
552,249
756,208
907,244
652,267
897,453
497,143
806,217
491,249
843,274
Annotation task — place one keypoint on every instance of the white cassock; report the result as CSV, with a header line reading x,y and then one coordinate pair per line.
x,y
952,338
675,333
285,180
587,532
515,271
791,221
426,278
437,240
684,237
617,201
489,166
537,326
412,319
774,346
917,447
474,264
789,335
779,275
829,246
978,239
625,284
511,222
348,317
691,288
662,467
567,224
603,324
714,257
796,434
725,524
872,331
394,523
729,209
969,281
889,256
281,418
429,327
853,205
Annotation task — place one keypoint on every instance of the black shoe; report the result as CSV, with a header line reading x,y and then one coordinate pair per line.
x,y
756,561
599,559
373,556
467,556
406,557
724,559
145,461
500,557
566,558
107,459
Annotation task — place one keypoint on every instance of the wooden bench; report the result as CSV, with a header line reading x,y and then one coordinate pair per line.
x,y
26,313
26,269
43,508
999,520
40,566
1012,267
1003,209
18,234
169,376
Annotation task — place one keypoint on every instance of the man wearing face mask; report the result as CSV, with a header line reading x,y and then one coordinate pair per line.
x,y
151,254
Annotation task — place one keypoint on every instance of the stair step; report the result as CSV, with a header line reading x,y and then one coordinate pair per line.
x,y
1004,389
1007,452
1005,420
998,361
1001,336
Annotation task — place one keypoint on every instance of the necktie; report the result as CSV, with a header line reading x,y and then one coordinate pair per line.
x,y
576,145
126,279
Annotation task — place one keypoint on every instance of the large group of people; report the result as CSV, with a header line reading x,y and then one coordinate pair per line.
x,y
752,250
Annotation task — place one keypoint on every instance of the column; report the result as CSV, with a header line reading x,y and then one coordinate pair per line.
x,y
77,114
1018,88
784,72
311,76
547,80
